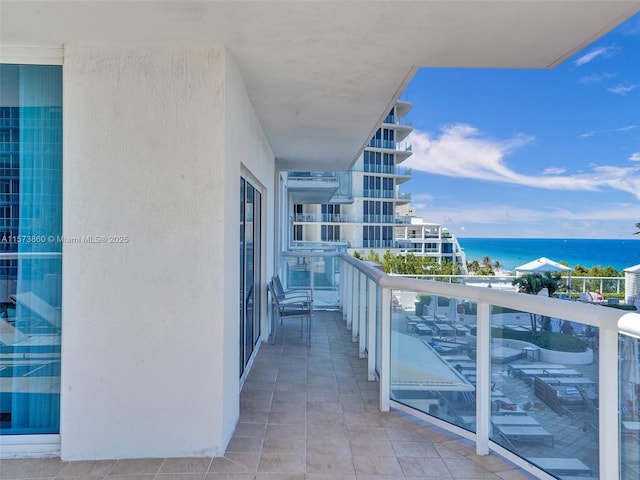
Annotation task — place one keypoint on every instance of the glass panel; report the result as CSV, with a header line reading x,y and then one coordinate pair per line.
x,y
377,320
256,265
629,382
241,299
545,389
249,274
432,357
30,250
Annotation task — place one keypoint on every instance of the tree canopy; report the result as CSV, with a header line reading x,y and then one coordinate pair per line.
x,y
410,264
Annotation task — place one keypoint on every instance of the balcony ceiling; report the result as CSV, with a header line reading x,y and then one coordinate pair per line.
x,y
323,74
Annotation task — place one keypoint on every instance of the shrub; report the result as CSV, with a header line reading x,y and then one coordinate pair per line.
x,y
426,299
499,309
548,340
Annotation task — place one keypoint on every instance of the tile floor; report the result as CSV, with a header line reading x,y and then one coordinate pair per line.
x,y
306,413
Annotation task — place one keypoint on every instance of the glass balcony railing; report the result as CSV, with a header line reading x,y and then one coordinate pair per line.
x,y
377,143
388,169
552,385
323,218
313,175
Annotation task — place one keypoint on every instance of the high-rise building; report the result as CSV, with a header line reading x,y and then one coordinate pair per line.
x,y
368,210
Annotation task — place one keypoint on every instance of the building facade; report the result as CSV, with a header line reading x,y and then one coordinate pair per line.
x,y
372,213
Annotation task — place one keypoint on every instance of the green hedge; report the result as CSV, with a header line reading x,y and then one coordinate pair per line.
x,y
559,342
426,299
499,309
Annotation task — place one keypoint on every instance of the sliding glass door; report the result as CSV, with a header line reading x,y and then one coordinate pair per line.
x,y
250,242
30,248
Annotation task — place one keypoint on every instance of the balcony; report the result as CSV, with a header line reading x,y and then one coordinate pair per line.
x,y
305,411
466,361
312,187
322,218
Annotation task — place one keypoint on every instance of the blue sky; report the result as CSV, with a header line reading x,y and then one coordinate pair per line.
x,y
531,153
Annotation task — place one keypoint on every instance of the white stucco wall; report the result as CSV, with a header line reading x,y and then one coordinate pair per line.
x,y
248,154
150,327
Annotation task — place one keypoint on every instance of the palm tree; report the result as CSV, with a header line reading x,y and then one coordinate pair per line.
x,y
532,283
638,227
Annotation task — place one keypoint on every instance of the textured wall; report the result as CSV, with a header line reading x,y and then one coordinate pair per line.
x,y
150,326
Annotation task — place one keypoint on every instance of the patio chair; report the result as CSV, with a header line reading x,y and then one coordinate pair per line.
x,y
283,308
292,294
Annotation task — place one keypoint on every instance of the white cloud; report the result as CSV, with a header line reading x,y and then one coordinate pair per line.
x,y
496,214
635,157
593,54
614,130
622,89
595,78
554,171
462,151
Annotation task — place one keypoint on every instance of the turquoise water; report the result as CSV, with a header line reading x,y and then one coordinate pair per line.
x,y
513,252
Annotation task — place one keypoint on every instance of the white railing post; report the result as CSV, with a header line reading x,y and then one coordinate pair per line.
x,y
385,349
362,310
345,279
483,378
609,405
355,289
371,335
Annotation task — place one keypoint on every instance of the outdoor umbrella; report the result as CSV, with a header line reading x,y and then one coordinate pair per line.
x,y
433,305
453,309
543,264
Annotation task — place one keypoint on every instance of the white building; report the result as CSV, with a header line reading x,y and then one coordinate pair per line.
x,y
368,211
176,119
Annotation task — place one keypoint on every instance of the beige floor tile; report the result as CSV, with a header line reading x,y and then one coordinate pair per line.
x,y
250,416
230,476
146,476
424,467
281,463
287,446
330,476
34,468
85,469
362,476
465,468
327,432
415,449
245,445
291,432
185,465
325,418
363,418
247,429
324,407
372,446
280,476
515,474
235,463
180,476
376,465
137,466
328,446
287,418
330,464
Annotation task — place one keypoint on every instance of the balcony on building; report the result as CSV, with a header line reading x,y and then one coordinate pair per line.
x,y
312,187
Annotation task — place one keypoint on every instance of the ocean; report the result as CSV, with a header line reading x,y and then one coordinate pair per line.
x,y
513,252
